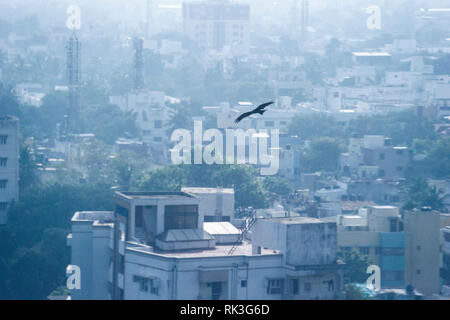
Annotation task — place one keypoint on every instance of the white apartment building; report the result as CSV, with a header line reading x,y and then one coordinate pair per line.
x,y
152,113
218,25
9,164
156,246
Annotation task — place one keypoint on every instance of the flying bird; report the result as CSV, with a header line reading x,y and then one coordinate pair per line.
x,y
259,110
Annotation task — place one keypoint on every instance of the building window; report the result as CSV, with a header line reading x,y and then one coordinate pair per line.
x,y
381,156
3,162
144,116
308,287
157,139
153,288
3,206
294,286
243,283
330,285
146,284
393,225
399,168
364,250
216,290
377,251
3,139
3,184
418,271
393,251
274,286
418,248
269,123
181,217
158,124
121,266
143,284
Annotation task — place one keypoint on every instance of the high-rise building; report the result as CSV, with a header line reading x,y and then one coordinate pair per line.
x,y
216,25
9,164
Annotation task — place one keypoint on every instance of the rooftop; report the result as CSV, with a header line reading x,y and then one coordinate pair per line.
x,y
154,195
100,216
371,54
208,190
298,220
244,249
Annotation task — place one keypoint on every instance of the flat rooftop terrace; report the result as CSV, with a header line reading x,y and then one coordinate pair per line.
x,y
244,249
154,195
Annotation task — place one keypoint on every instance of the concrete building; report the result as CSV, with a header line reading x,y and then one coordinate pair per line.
x,y
152,118
422,250
393,162
377,233
156,246
9,164
152,113
217,203
218,25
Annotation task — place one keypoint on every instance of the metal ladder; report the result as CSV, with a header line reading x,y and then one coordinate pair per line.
x,y
249,225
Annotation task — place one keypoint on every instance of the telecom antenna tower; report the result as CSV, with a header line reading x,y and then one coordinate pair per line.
x,y
138,63
73,81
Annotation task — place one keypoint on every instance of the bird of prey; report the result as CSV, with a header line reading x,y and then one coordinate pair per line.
x,y
259,110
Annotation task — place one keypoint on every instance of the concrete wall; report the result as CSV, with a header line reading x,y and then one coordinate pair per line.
x,y
311,244
301,243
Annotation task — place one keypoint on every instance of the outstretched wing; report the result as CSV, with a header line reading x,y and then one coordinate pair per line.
x,y
261,107
243,116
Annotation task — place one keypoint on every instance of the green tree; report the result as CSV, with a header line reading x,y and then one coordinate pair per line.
x,y
278,185
249,191
315,125
170,178
355,267
439,157
420,194
353,292
108,123
323,155
27,169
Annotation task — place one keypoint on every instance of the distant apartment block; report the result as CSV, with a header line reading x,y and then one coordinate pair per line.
x,y
9,164
390,161
216,25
